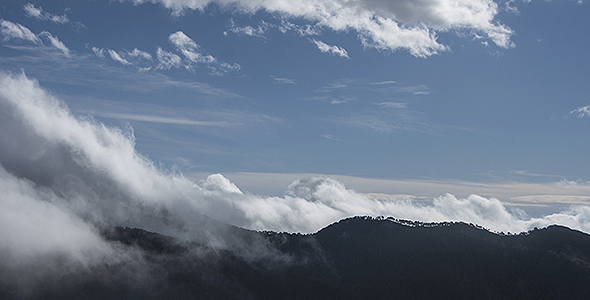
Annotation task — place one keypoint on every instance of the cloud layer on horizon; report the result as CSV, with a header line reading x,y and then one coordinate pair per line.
x,y
64,177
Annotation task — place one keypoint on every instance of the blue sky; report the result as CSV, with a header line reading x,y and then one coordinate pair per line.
x,y
434,91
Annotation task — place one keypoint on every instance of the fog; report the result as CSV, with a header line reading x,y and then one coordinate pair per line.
x,y
63,178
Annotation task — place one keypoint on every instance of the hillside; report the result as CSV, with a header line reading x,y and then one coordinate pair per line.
x,y
357,258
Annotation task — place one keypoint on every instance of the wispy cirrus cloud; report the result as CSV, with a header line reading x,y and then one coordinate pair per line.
x,y
137,58
37,12
192,57
167,120
282,80
416,90
302,30
392,104
248,30
167,60
115,56
379,116
264,27
581,112
385,82
15,31
85,70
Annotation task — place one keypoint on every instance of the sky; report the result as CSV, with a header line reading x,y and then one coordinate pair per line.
x,y
467,90
391,98
179,116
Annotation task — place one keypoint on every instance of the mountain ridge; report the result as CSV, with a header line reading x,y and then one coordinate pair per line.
x,y
355,258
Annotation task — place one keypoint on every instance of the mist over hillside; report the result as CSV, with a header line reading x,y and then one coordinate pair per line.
x,y
358,258
307,149
65,179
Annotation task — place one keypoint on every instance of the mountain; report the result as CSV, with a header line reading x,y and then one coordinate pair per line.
x,y
356,258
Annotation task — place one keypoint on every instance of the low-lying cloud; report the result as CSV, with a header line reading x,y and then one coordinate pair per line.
x,y
63,178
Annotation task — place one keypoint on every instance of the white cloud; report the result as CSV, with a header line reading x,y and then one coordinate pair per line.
x,y
17,31
577,182
333,99
282,80
64,176
115,56
249,30
189,48
305,30
325,48
581,112
392,104
370,122
387,82
33,224
192,52
182,41
139,54
381,24
98,52
168,120
142,60
39,14
416,90
167,60
330,137
55,42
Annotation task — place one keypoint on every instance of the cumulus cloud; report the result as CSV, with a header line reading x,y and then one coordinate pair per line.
x,y
325,48
581,112
39,14
384,25
63,177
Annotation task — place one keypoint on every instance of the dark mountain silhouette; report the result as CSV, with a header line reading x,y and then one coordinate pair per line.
x,y
357,258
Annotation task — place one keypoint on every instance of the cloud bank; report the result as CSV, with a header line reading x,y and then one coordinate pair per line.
x,y
384,25
63,178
